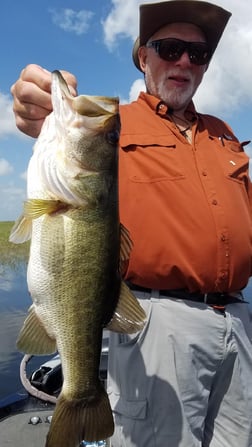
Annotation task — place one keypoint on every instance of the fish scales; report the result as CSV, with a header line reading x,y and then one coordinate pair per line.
x,y
77,246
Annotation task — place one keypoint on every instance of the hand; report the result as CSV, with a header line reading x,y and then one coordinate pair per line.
x,y
32,97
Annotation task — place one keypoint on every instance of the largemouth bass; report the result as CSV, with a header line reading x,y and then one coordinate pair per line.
x,y
77,248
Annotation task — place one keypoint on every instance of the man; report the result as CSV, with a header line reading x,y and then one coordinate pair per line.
x,y
185,380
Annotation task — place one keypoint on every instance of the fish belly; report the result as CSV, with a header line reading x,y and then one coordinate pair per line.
x,y
72,276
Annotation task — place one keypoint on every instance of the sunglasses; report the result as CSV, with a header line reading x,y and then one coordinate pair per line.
x,y
171,50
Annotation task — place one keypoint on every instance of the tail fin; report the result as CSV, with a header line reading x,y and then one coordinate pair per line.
x,y
80,419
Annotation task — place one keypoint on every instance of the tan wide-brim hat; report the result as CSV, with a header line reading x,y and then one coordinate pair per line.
x,y
212,20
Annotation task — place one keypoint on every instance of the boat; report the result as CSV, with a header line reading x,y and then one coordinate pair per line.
x,y
26,414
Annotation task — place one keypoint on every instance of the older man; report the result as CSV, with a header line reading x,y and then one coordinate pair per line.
x,y
186,379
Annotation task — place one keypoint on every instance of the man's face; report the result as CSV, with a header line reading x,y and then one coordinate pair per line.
x,y
173,82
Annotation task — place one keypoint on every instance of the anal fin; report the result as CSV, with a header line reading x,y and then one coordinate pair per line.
x,y
129,316
126,245
33,338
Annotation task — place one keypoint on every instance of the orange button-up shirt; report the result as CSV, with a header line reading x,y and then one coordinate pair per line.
x,y
185,204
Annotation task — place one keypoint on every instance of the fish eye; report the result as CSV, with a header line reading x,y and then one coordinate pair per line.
x,y
113,137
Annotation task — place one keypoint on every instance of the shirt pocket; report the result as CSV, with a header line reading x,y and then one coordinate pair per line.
x,y
135,409
152,158
234,160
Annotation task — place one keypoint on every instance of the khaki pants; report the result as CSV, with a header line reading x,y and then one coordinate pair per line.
x,y
186,379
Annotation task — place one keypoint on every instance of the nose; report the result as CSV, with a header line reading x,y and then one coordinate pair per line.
x,y
184,60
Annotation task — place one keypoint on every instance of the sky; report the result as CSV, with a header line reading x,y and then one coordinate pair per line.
x,y
93,39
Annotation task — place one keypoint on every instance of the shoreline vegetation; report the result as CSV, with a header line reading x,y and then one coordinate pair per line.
x,y
11,255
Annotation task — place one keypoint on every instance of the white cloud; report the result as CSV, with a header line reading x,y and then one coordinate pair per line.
x,y
14,192
77,22
23,175
7,119
122,21
227,83
136,87
5,167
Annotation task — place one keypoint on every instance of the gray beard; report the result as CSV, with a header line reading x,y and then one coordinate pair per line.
x,y
175,98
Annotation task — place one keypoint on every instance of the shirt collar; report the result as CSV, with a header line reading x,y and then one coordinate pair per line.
x,y
162,109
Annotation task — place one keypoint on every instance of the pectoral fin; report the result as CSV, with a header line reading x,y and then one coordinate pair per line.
x,y
33,338
21,231
129,316
34,208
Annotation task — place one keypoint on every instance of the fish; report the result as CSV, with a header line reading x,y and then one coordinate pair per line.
x,y
78,251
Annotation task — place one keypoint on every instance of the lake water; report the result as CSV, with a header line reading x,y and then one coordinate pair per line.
x,y
14,302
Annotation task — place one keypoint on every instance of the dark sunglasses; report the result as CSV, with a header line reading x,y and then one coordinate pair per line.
x,y
171,50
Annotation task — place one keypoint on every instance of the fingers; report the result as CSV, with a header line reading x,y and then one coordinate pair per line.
x,y
32,97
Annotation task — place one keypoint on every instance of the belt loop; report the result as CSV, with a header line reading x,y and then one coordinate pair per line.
x,y
205,298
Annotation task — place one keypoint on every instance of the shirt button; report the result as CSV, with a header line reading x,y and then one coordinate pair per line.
x,y
204,173
214,202
223,237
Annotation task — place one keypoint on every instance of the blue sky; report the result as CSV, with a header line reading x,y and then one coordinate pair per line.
x,y
93,39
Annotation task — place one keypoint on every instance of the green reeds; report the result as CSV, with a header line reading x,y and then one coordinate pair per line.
x,y
11,255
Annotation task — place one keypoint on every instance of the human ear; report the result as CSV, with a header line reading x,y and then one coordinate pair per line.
x,y
142,55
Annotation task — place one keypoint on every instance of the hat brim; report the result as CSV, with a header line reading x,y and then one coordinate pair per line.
x,y
210,18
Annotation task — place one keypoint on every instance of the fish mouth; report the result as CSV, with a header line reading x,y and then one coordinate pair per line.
x,y
102,109
95,106
93,115
89,106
